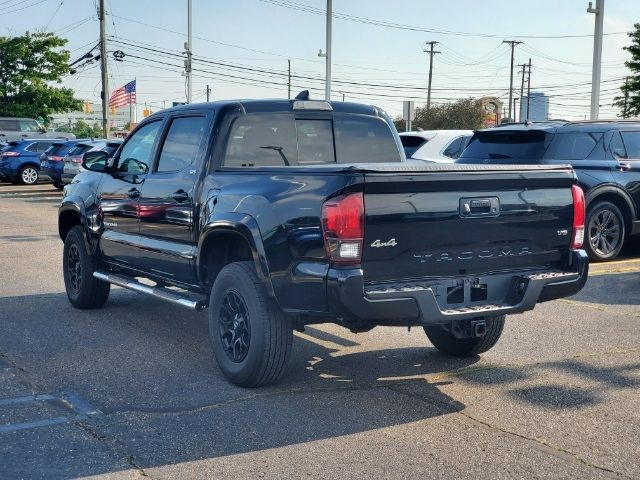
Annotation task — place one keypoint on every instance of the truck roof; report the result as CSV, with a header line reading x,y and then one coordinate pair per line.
x,y
276,105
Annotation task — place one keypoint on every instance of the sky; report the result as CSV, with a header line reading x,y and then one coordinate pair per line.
x,y
241,48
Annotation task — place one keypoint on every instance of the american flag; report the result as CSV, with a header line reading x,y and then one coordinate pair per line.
x,y
123,95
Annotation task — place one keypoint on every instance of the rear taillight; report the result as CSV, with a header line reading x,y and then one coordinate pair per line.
x,y
343,228
54,158
76,159
10,154
577,237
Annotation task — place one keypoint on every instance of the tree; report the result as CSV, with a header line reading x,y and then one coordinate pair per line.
x,y
28,65
629,101
82,129
464,114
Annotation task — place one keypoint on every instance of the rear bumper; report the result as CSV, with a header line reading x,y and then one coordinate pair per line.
x,y
425,302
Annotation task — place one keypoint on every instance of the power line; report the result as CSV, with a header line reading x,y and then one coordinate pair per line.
x,y
380,23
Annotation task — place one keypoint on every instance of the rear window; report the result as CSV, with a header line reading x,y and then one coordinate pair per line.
x,y
56,149
280,140
509,146
632,144
79,149
111,148
573,146
411,144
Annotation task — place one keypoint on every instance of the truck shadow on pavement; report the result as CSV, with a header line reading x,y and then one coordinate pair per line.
x,y
148,368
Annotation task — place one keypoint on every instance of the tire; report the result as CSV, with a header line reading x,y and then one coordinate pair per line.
x,y
240,309
605,232
83,290
447,343
28,175
58,185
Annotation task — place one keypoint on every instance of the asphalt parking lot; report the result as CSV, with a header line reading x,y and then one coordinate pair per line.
x,y
131,391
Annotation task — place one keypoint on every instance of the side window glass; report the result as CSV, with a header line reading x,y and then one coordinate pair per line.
x,y
315,141
632,144
617,146
28,126
135,157
32,148
262,140
182,144
8,125
454,149
573,146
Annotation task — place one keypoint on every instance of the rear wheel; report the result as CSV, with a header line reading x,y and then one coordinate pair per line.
x,y
83,289
251,337
447,343
605,232
28,175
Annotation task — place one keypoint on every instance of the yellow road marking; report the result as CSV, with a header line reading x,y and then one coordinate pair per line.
x,y
613,271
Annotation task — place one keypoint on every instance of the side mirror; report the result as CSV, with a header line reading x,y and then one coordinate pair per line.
x,y
95,161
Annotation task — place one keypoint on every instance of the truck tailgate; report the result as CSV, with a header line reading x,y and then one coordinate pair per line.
x,y
463,220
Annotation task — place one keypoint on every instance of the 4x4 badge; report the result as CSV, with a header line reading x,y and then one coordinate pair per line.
x,y
389,243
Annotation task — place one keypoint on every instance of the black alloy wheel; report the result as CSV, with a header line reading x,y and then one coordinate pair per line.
x,y
74,265
234,326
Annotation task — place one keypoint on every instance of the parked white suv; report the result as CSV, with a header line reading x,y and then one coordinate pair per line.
x,y
435,145
14,129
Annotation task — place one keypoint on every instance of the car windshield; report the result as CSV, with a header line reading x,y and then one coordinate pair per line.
x,y
498,146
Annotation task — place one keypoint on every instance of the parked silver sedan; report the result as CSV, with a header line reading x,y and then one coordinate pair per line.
x,y
73,160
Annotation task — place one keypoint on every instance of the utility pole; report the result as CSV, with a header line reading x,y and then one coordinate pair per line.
x,y
103,68
597,57
187,47
515,99
431,53
289,80
327,84
513,44
625,105
528,89
524,65
208,92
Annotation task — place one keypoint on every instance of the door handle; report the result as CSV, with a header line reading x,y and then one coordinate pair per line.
x,y
180,196
623,167
133,193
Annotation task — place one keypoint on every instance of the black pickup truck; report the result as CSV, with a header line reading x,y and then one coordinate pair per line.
x,y
284,213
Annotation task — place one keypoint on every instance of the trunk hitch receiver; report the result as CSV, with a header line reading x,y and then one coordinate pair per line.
x,y
468,328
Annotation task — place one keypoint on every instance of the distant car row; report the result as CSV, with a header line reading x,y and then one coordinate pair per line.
x,y
54,160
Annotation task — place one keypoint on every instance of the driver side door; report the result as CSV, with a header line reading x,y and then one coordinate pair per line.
x,y
119,192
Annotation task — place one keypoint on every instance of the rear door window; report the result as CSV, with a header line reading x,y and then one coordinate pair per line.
x,y
573,145
411,144
455,148
182,143
632,144
508,146
617,147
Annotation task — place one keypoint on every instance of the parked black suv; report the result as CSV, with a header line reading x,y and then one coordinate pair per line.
x,y
605,156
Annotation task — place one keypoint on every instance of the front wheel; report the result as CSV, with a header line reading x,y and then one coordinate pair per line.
x,y
28,175
605,232
448,343
83,289
251,337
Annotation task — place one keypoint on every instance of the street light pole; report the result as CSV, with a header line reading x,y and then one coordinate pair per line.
x,y
327,84
597,57
103,68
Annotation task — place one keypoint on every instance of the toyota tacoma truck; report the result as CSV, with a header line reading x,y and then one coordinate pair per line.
x,y
284,213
